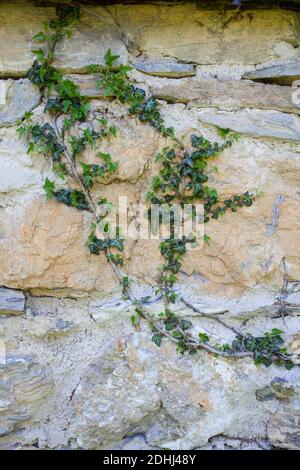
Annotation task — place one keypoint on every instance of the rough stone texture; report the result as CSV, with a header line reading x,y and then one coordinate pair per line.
x,y
284,74
77,374
212,93
91,39
24,385
57,260
256,123
19,169
283,429
165,68
12,302
16,98
229,94
189,34
183,405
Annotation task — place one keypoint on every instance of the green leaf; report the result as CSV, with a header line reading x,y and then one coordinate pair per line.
x,y
206,239
102,121
28,115
110,59
223,132
157,338
39,37
49,187
39,53
113,131
185,324
31,148
289,365
203,337
156,182
106,157
276,332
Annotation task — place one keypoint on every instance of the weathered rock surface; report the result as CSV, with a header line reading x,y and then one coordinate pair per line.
x,y
92,37
175,402
196,93
284,74
229,94
189,34
77,374
53,236
16,98
24,385
283,429
256,123
165,68
113,385
12,302
54,254
22,173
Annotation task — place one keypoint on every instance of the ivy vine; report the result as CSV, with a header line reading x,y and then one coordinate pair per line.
x,y
70,128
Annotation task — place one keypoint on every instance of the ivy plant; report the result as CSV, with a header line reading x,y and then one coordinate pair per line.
x,y
69,128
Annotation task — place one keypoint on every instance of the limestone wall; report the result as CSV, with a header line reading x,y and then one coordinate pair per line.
x,y
76,373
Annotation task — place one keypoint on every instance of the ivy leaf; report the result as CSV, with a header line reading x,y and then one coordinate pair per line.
x,y
149,195
157,338
185,324
289,365
206,239
117,243
203,337
110,58
223,132
156,183
276,332
31,148
39,53
113,131
39,37
49,187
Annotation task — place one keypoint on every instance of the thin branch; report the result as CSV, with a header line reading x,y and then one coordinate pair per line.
x,y
211,316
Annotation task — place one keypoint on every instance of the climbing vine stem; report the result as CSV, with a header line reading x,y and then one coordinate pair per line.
x,y
70,127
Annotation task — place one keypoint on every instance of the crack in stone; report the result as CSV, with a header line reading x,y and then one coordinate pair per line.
x,y
272,227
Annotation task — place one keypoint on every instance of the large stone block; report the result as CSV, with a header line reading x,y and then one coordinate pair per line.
x,y
190,34
164,68
228,94
177,403
257,123
42,245
95,33
21,171
284,74
186,33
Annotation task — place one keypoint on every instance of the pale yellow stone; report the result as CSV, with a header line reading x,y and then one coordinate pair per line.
x,y
90,40
188,33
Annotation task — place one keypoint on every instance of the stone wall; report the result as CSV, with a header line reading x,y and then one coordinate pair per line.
x,y
76,374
